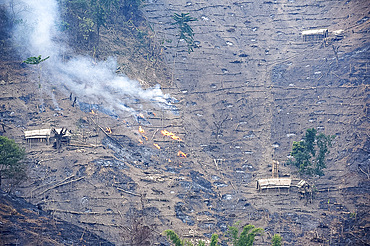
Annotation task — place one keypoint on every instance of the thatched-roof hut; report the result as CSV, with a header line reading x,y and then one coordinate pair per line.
x,y
43,135
314,35
38,135
273,183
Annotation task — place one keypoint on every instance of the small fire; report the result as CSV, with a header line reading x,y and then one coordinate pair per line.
x,y
141,116
92,112
171,135
157,146
141,141
108,130
181,154
141,130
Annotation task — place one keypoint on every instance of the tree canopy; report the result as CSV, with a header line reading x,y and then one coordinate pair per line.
x,y
276,240
305,153
83,19
11,156
177,241
246,237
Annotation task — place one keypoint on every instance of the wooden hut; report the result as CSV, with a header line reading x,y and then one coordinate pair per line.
x,y
314,35
44,135
41,135
273,183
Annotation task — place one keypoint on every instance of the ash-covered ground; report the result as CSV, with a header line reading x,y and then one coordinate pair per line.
x,y
250,88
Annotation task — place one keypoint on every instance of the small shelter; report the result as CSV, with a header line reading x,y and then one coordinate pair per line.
x,y
314,35
273,183
44,135
40,135
306,190
338,34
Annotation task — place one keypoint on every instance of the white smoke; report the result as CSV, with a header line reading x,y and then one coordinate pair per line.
x,y
93,82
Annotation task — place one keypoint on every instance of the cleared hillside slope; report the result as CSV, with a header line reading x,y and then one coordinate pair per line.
x,y
250,88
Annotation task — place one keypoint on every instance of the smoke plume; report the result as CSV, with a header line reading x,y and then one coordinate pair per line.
x,y
93,82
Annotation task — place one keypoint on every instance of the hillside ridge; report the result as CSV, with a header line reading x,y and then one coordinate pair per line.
x,y
251,87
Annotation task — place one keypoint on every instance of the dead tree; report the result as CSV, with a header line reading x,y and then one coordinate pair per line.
x,y
3,128
366,172
59,138
74,102
335,49
219,125
137,232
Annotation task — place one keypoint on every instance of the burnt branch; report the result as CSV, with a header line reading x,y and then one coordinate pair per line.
x,y
219,125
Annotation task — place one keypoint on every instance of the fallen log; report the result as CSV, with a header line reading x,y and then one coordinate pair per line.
x,y
58,185
54,182
102,224
81,213
85,145
125,191
106,134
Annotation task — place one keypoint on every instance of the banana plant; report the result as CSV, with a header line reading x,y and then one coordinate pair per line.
x,y
33,60
186,33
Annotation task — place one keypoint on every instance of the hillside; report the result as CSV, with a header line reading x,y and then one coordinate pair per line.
x,y
251,87
23,224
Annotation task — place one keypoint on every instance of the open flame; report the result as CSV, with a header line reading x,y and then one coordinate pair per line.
x,y
171,135
108,130
141,130
157,146
92,112
181,154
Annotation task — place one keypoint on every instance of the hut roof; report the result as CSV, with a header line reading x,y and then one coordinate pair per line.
x,y
273,183
315,32
42,133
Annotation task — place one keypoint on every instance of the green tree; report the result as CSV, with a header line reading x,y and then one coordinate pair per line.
x,y
85,18
11,156
185,31
276,240
100,11
214,240
246,237
174,237
177,241
323,142
131,9
304,152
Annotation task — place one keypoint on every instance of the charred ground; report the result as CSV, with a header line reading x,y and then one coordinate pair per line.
x,y
250,88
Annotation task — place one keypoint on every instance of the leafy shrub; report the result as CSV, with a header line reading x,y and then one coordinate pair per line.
x,y
11,156
305,153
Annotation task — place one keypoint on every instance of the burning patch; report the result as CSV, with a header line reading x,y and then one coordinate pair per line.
x,y
171,135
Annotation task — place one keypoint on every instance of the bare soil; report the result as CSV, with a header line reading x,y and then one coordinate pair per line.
x,y
249,90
